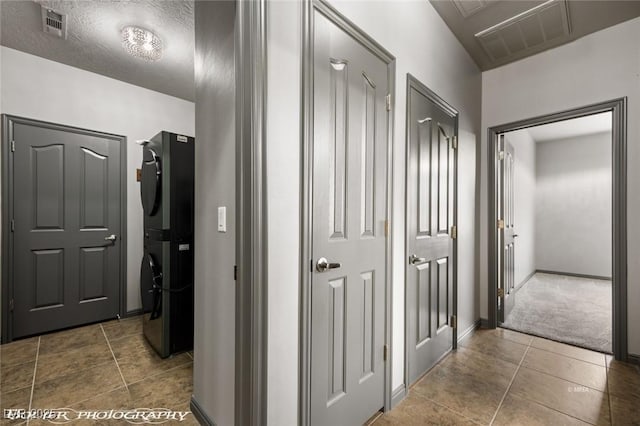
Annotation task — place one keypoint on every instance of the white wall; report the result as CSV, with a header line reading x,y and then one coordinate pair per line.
x,y
41,89
283,209
573,205
424,47
599,67
524,202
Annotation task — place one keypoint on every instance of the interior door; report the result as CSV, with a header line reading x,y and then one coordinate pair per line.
x,y
430,282
350,122
506,230
66,215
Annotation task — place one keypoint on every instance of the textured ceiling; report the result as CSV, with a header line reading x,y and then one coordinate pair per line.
x,y
478,16
591,124
93,42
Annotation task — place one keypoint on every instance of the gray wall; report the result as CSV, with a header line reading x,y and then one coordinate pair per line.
x,y
423,46
596,68
524,202
41,89
573,205
214,345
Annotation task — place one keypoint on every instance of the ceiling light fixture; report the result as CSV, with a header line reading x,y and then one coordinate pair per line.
x,y
141,43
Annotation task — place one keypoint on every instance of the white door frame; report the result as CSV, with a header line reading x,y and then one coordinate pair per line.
x,y
310,7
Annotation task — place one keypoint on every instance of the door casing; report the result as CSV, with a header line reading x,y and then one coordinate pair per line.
x,y
309,8
414,83
7,194
618,109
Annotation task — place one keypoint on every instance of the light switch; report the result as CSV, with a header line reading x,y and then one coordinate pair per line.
x,y
222,219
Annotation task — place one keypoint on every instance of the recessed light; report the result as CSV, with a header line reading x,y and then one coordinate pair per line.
x,y
141,43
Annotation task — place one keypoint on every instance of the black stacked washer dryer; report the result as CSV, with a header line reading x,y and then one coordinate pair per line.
x,y
166,273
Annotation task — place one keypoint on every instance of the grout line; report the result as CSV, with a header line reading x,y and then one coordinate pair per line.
x,y
114,358
554,409
546,373
160,372
33,381
493,419
609,397
572,357
489,355
450,409
97,395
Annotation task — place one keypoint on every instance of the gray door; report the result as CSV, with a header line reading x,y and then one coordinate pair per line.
x,y
349,213
506,230
430,285
66,211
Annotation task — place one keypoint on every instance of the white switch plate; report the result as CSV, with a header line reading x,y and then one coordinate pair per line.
x,y
222,219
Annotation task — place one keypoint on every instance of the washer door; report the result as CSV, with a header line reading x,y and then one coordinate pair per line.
x,y
151,181
151,286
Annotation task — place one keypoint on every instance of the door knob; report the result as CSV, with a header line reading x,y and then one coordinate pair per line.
x,y
111,238
323,265
414,259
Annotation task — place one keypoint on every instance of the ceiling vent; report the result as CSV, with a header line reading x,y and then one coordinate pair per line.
x,y
54,23
470,7
533,28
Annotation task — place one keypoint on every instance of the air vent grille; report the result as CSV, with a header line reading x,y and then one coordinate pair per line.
x,y
54,23
469,7
534,28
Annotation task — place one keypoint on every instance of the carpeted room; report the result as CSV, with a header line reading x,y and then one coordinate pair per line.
x,y
562,184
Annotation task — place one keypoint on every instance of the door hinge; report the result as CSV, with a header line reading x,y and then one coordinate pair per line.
x,y
235,272
454,321
388,100
501,292
454,142
386,228
13,146
500,224
501,155
385,352
454,232
13,225
11,305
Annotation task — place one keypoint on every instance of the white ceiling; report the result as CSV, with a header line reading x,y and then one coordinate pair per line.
x,y
591,124
94,44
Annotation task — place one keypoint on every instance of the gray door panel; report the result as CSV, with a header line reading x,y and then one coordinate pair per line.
x,y
507,235
349,212
430,192
66,200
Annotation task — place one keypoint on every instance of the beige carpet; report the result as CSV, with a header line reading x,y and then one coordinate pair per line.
x,y
566,309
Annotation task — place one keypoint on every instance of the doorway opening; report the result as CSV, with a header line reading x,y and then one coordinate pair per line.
x,y
555,193
557,234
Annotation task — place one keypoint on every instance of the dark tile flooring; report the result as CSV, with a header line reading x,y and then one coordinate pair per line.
x,y
501,377
98,367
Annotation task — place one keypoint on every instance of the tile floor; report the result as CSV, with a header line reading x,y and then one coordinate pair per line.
x,y
97,367
502,377
498,377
